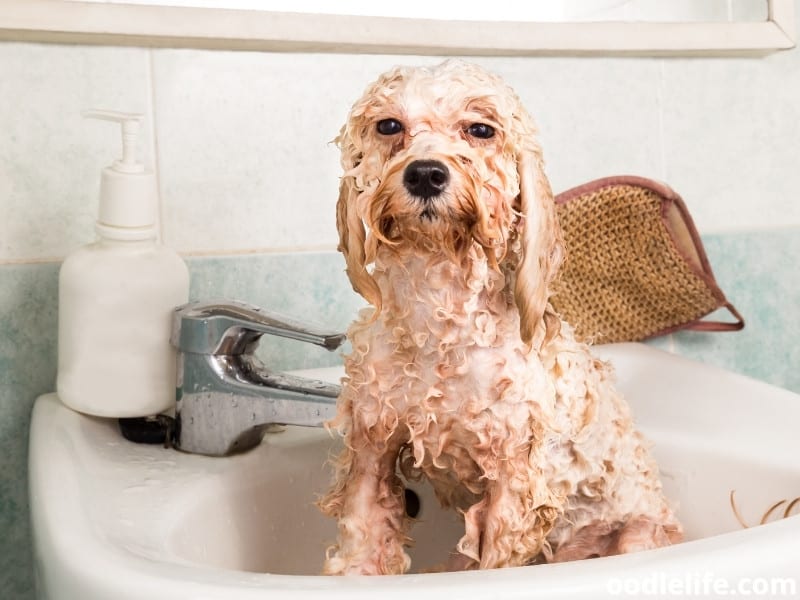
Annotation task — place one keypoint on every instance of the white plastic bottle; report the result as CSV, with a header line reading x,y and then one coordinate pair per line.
x,y
116,298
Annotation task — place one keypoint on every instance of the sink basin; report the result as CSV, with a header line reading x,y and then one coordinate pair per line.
x,y
113,519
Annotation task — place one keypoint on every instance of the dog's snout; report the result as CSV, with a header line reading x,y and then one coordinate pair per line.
x,y
426,178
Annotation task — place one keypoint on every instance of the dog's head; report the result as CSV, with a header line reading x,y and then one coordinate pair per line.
x,y
443,158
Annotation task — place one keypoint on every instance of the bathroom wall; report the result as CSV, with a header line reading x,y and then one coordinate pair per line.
x,y
248,184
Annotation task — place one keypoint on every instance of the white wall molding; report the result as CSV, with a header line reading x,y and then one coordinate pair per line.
x,y
204,28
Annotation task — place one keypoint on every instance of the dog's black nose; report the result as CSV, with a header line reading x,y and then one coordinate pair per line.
x,y
426,178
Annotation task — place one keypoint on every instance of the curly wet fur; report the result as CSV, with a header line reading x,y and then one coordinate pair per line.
x,y
460,372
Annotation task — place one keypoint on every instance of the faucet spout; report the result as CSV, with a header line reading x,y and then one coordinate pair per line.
x,y
226,397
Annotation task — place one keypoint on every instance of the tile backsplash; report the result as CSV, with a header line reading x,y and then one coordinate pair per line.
x,y
248,185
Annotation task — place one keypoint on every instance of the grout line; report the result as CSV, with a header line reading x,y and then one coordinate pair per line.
x,y
662,158
154,136
254,251
191,254
21,262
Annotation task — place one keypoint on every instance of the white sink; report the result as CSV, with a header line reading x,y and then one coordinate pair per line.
x,y
117,520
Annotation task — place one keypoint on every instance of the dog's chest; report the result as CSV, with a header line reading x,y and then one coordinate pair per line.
x,y
433,308
446,366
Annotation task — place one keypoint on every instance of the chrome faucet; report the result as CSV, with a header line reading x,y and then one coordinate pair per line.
x,y
226,397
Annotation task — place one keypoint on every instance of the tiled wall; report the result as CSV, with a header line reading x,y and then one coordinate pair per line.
x,y
248,186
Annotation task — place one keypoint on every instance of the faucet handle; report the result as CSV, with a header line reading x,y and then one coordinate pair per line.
x,y
231,327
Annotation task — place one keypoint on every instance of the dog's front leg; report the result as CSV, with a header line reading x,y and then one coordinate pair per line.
x,y
508,527
367,500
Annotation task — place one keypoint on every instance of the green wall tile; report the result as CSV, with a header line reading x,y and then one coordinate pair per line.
x,y
28,306
760,276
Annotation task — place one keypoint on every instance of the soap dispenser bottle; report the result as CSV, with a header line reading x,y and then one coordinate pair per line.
x,y
116,298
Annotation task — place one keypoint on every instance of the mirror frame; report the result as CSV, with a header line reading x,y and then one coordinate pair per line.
x,y
59,21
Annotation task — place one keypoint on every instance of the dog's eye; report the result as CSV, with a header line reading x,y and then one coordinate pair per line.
x,y
389,126
481,130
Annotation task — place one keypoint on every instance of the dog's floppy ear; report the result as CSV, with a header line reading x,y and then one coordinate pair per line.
x,y
352,241
542,248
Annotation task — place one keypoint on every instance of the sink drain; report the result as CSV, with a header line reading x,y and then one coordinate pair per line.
x,y
412,503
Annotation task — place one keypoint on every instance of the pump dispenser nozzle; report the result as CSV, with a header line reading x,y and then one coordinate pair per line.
x,y
127,189
131,123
